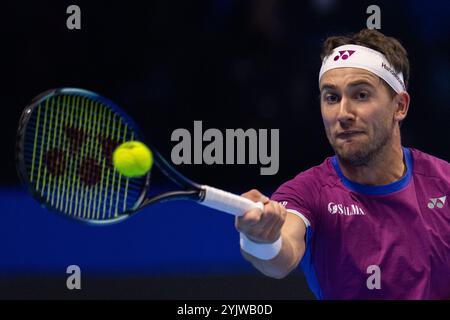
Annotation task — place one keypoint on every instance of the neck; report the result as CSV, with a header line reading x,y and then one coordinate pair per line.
x,y
386,167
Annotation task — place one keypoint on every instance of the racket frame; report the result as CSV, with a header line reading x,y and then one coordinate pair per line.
x,y
191,190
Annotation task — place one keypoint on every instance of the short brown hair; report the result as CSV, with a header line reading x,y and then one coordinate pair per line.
x,y
393,50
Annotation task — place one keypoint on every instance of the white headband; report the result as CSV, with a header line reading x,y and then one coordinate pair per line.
x,y
354,56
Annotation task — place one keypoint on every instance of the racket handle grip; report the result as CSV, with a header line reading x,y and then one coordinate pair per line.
x,y
227,202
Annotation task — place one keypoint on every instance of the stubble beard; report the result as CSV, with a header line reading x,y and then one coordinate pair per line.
x,y
363,153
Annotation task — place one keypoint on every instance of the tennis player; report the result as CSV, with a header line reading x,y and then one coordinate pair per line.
x,y
373,221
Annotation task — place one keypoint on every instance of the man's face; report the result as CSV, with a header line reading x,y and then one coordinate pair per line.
x,y
358,114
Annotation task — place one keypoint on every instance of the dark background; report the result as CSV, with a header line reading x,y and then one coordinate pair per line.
x,y
230,63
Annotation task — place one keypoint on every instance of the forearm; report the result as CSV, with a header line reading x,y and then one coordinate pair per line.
x,y
281,265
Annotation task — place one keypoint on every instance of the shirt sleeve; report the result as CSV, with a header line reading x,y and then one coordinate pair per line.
x,y
298,197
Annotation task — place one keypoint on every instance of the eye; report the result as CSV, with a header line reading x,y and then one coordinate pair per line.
x,y
331,98
362,95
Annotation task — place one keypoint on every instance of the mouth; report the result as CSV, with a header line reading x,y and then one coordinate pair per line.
x,y
347,135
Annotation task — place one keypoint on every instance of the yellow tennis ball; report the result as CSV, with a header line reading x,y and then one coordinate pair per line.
x,y
132,159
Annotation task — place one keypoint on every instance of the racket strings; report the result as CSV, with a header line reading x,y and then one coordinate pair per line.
x,y
69,156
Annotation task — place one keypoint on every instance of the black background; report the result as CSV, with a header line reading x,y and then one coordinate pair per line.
x,y
230,64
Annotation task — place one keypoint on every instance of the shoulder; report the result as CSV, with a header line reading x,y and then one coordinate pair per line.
x,y
427,165
302,194
313,179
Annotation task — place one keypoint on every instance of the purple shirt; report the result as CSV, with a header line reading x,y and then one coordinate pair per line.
x,y
375,242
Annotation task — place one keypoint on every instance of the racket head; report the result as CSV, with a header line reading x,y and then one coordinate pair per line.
x,y
64,148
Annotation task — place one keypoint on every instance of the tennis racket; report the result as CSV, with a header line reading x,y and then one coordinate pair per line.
x,y
65,141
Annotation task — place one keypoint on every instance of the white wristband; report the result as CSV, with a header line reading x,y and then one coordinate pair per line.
x,y
263,251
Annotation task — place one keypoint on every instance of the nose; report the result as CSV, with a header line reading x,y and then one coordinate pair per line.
x,y
346,113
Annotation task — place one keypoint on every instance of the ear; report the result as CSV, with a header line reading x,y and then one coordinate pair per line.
x,y
401,102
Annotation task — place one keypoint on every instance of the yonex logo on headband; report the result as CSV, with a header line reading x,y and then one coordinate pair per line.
x,y
364,58
344,54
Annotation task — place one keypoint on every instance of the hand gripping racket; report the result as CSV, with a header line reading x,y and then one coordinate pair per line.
x,y
64,148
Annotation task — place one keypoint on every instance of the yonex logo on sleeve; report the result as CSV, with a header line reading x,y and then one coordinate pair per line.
x,y
344,54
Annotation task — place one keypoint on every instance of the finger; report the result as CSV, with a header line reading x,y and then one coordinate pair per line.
x,y
255,196
274,222
276,230
254,226
249,220
262,226
269,218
